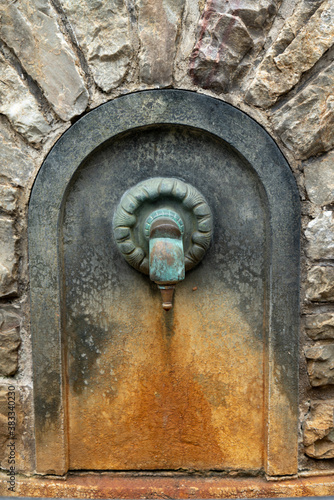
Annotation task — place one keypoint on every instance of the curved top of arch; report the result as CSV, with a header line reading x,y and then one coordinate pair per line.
x,y
246,136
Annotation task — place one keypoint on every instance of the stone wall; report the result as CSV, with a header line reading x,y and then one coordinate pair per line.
x,y
273,59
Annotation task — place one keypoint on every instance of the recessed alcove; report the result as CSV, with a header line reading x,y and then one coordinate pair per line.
x,y
119,384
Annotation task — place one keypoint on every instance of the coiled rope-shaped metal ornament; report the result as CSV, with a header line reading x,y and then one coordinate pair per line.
x,y
171,193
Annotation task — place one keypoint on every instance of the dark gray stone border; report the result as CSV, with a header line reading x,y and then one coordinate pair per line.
x,y
45,215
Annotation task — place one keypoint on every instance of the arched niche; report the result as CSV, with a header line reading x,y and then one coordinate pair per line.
x,y
250,279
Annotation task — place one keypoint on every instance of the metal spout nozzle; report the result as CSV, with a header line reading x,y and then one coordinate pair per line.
x,y
167,292
166,257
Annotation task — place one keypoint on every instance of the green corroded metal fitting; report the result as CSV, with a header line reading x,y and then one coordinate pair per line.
x,y
162,212
156,198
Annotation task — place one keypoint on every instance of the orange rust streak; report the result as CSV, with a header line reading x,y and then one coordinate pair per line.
x,y
171,391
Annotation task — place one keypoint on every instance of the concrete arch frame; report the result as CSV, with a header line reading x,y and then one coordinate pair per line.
x,y
249,139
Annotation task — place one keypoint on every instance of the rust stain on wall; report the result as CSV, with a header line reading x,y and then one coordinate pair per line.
x,y
173,390
149,390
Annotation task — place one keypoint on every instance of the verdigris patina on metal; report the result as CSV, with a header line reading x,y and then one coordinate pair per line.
x,y
118,383
163,227
166,256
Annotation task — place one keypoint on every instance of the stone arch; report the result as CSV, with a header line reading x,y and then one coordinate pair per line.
x,y
253,143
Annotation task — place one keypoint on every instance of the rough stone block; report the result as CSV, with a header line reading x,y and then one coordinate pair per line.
x,y
223,42
8,198
31,30
279,72
8,257
102,31
20,106
320,364
320,326
254,14
230,35
319,179
320,236
261,91
320,284
159,23
312,41
191,17
305,124
319,430
9,342
16,164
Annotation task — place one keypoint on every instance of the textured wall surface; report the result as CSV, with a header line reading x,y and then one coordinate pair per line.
x,y
272,59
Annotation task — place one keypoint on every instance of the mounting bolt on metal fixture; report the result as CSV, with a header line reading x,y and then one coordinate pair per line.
x,y
163,228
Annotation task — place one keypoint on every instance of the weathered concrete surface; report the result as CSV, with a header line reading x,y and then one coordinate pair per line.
x,y
319,179
159,23
320,326
285,62
9,342
20,106
305,123
179,487
31,30
4,434
8,258
319,430
320,364
8,198
16,164
102,31
320,236
23,431
320,284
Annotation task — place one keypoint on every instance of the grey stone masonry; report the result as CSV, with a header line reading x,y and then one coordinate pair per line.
x,y
32,31
319,430
9,341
